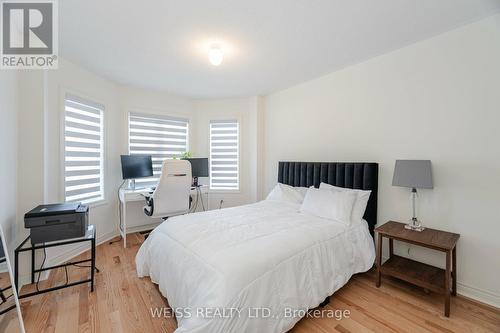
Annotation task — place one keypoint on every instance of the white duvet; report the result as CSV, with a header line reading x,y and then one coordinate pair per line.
x,y
245,269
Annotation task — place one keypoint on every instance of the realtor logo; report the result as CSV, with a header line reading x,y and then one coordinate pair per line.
x,y
29,34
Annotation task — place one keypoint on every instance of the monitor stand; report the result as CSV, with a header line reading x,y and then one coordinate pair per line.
x,y
132,186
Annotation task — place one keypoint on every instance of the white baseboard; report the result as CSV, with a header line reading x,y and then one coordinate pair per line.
x,y
474,293
139,228
478,294
66,256
77,250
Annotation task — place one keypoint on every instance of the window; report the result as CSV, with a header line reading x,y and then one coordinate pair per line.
x,y
83,150
224,155
162,137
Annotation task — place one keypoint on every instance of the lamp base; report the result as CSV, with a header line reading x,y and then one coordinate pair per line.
x,y
414,225
409,226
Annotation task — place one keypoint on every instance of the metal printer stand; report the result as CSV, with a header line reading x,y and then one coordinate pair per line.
x,y
89,237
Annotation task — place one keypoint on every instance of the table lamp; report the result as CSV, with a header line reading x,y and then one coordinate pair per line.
x,y
413,174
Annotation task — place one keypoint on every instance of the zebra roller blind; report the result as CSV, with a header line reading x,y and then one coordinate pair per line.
x,y
224,154
162,137
83,150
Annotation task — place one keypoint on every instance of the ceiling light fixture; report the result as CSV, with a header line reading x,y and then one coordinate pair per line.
x,y
215,55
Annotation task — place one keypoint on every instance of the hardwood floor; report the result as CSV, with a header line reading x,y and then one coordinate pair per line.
x,y
122,302
9,321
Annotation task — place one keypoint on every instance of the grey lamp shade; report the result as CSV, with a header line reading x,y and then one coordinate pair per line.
x,y
413,174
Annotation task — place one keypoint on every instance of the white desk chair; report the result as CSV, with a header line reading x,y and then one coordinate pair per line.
x,y
171,196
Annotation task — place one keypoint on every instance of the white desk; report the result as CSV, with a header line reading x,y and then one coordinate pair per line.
x,y
128,195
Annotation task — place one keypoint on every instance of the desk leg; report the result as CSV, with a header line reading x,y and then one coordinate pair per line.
x,y
447,279
124,223
391,247
92,265
454,272
208,200
379,258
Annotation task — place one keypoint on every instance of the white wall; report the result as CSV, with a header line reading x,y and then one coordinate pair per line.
x,y
30,183
438,99
9,107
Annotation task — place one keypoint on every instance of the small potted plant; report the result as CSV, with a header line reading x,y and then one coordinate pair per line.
x,y
185,155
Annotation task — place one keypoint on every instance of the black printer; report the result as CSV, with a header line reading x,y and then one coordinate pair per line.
x,y
54,222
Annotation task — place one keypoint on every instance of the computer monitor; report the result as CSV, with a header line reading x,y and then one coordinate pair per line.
x,y
136,166
199,168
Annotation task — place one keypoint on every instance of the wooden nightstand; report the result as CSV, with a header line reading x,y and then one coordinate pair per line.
x,y
420,274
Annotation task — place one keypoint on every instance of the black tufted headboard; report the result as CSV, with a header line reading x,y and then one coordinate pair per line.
x,y
357,175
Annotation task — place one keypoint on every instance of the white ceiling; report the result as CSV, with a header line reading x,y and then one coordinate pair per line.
x,y
275,43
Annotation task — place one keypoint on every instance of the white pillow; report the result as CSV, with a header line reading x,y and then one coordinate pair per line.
x,y
302,191
361,199
328,204
287,193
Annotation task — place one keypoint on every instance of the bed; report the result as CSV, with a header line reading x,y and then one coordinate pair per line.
x,y
258,267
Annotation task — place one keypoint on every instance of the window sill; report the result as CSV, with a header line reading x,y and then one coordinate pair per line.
x,y
216,191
